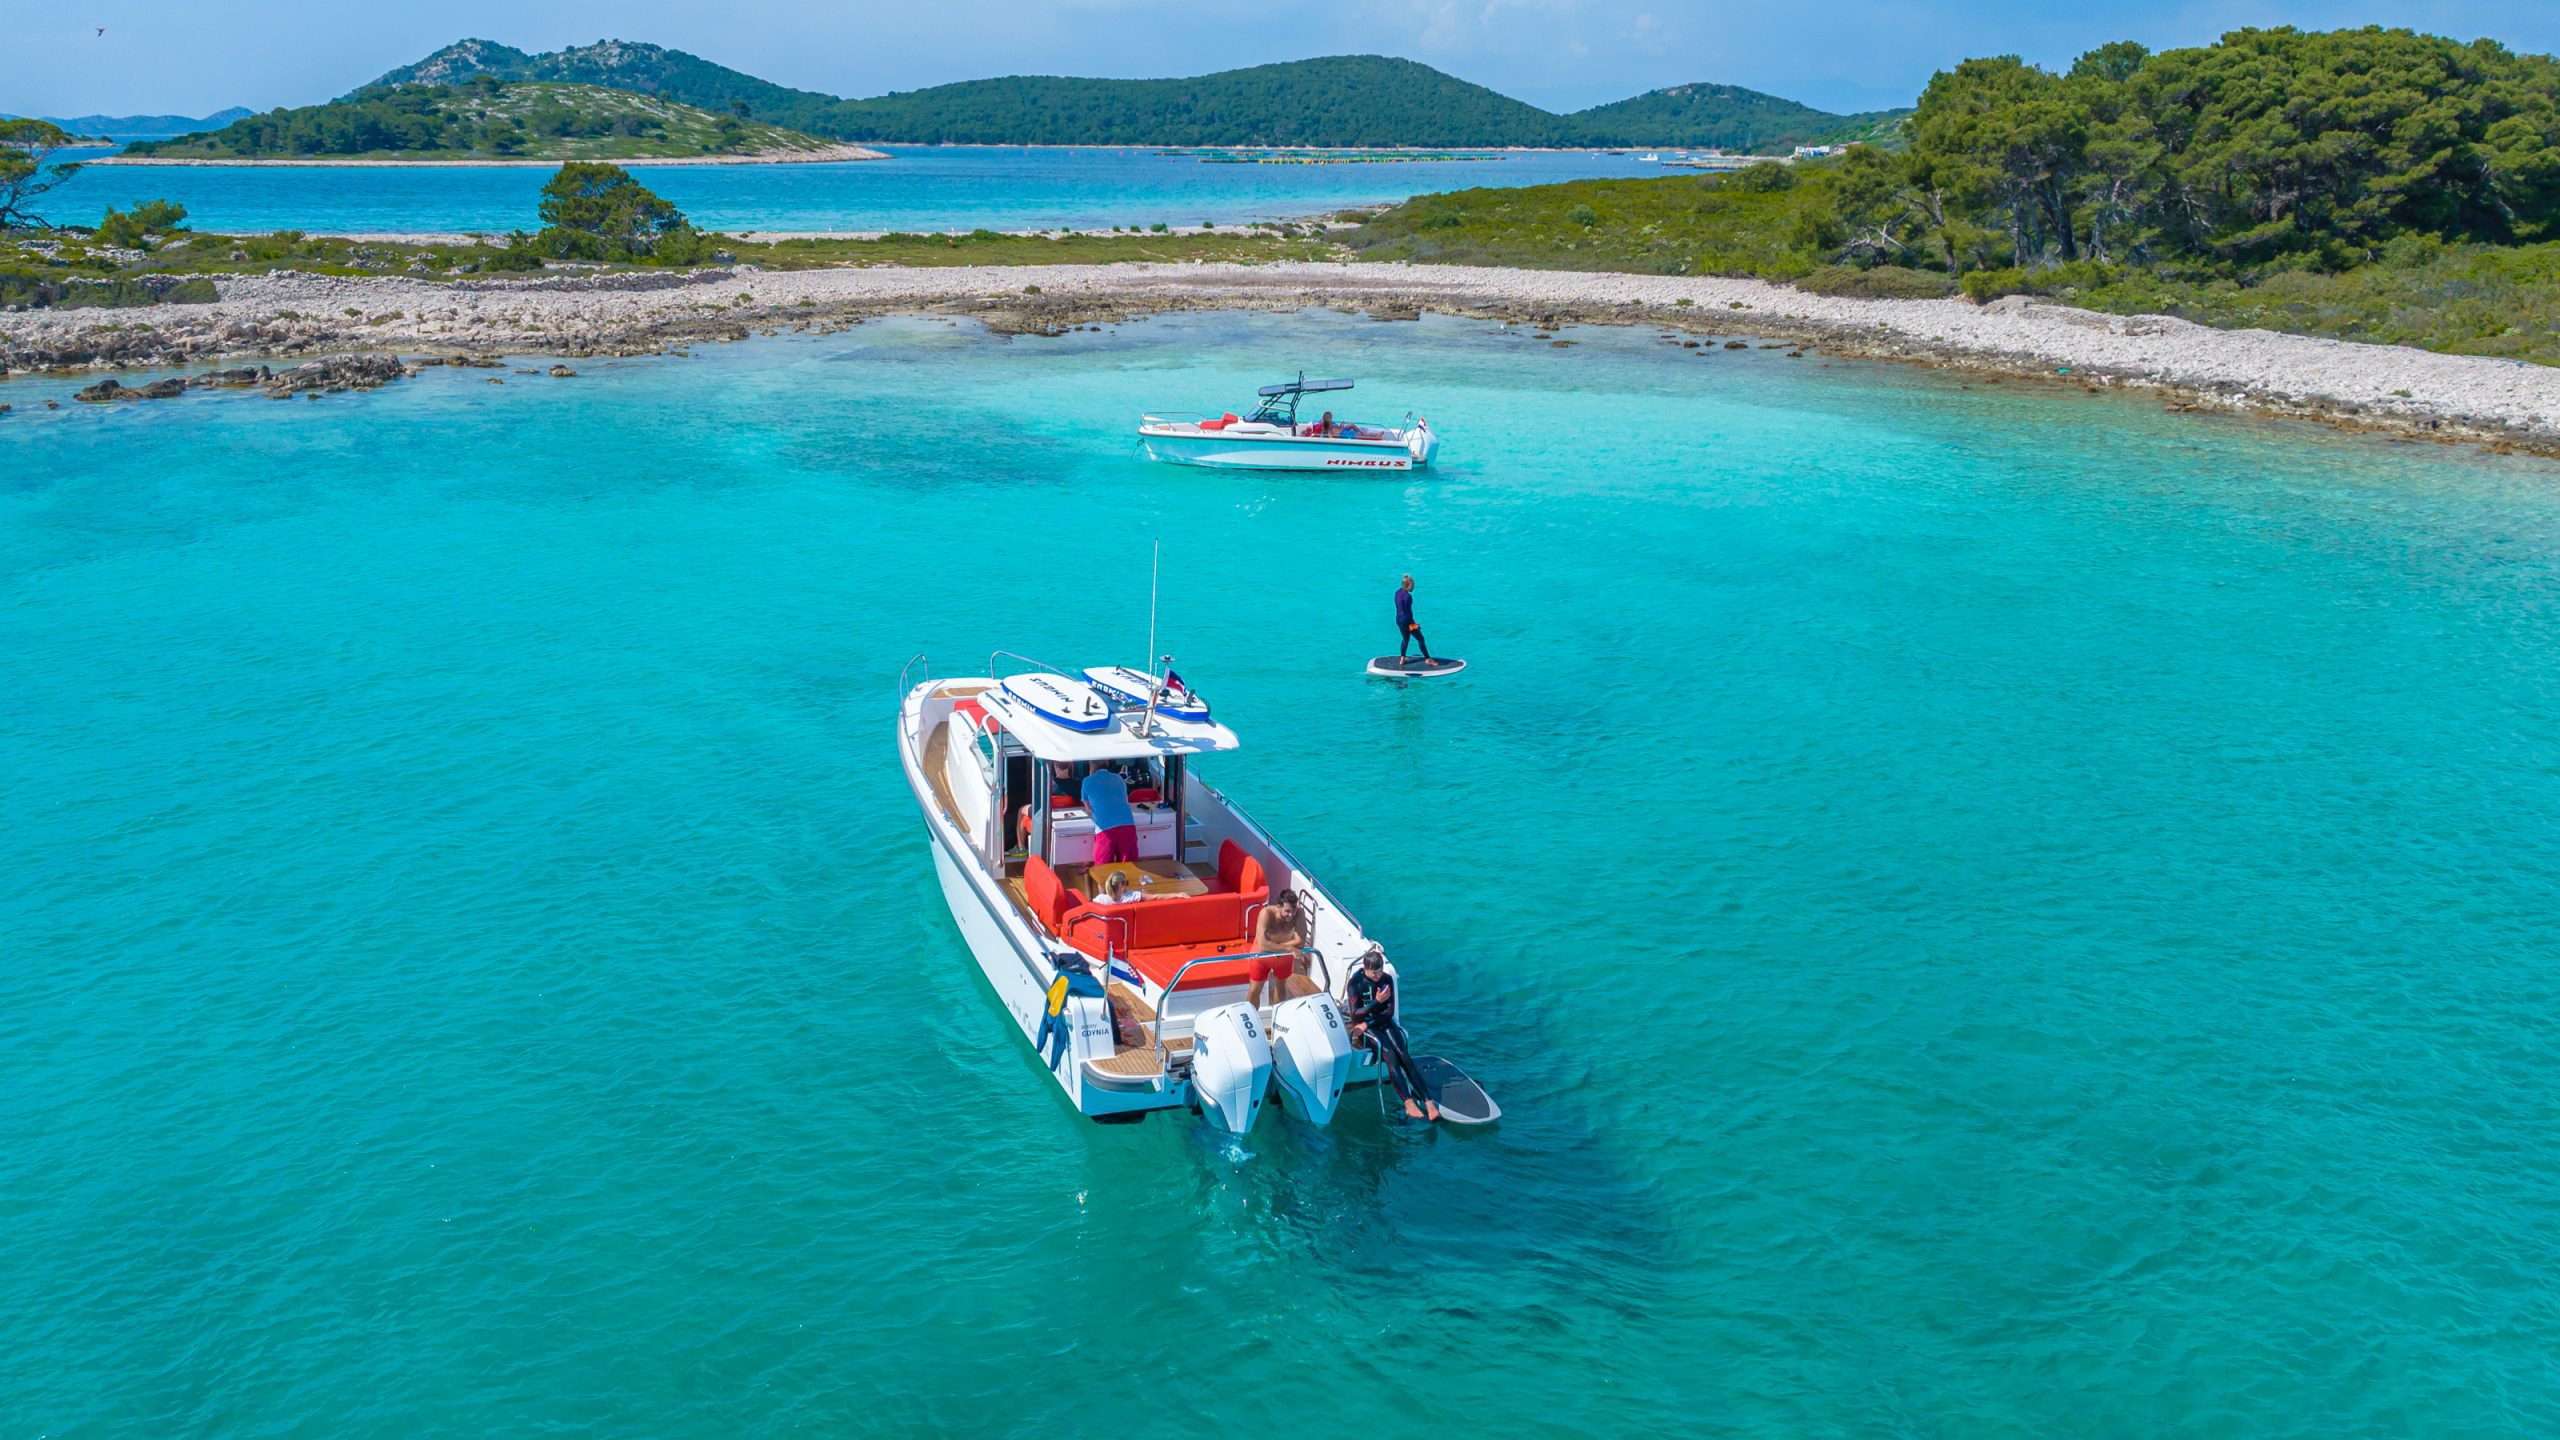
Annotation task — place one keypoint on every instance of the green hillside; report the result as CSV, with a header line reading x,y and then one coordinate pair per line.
x,y
622,65
1337,100
1330,101
2372,184
486,120
1724,117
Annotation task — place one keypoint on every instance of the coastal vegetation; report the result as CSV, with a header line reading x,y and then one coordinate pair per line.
x,y
27,169
486,119
1336,100
594,211
1728,117
2369,184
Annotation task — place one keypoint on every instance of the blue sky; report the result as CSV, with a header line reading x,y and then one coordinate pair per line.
x,y
188,58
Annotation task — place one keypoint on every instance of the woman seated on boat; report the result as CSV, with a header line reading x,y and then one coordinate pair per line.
x,y
1372,1011
1281,937
1325,425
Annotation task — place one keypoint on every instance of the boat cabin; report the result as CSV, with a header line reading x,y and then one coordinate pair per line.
x,y
1010,764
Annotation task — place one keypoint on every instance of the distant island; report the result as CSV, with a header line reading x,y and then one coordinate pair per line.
x,y
1332,101
138,126
491,122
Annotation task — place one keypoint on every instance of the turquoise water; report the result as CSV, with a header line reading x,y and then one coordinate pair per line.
x,y
922,188
1992,913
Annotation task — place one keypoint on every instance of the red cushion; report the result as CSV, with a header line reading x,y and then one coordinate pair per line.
x,y
1050,897
1160,966
1157,936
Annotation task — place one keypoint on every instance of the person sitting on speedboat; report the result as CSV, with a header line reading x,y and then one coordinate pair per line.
x,y
1115,825
1372,1011
1281,937
1116,889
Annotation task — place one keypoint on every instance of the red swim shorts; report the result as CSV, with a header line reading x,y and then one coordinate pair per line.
x,y
1263,967
1118,843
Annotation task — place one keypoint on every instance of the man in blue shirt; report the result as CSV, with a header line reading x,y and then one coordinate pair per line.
x,y
1115,825
1408,633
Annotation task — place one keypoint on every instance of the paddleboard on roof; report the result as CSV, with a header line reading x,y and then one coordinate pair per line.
x,y
1062,700
1135,688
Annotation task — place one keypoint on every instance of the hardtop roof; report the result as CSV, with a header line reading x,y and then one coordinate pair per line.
x,y
1049,741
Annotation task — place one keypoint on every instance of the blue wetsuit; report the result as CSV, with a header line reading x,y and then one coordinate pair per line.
x,y
1408,633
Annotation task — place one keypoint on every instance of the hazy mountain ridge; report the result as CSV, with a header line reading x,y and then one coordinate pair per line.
x,y
147,124
1330,100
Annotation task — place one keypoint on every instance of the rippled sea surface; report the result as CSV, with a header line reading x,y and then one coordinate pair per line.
x,y
934,187
1992,911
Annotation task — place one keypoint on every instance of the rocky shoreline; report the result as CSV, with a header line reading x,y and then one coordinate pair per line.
x,y
2503,404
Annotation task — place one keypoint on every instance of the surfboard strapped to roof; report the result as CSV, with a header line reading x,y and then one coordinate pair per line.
x,y
1062,700
1135,688
1401,667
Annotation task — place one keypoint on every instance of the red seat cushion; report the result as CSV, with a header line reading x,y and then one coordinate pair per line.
x,y
1156,937
1160,966
1051,898
1238,872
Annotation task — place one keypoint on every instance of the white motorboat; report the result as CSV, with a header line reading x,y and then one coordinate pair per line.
x,y
1274,438
1136,1005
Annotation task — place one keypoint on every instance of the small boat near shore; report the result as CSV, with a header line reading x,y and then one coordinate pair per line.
x,y
1274,438
1139,1004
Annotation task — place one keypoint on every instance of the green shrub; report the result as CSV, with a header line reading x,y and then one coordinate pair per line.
x,y
1884,282
133,229
1766,178
1582,215
1984,286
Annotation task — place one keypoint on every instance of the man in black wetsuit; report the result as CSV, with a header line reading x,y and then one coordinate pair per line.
x,y
1372,1010
1408,633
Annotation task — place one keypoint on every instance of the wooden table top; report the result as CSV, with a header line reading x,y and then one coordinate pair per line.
x,y
1151,877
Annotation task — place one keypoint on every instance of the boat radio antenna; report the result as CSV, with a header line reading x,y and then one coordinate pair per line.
x,y
1155,681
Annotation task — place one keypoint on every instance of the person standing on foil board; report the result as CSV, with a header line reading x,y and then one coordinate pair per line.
x,y
1407,632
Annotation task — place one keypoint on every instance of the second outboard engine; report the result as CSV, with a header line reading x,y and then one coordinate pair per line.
x,y
1311,1056
1230,1065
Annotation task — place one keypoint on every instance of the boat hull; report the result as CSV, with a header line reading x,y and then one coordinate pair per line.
x,y
1014,960
1220,452
1017,972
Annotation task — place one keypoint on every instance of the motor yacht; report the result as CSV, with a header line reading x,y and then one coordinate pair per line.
x,y
1138,1004
1274,438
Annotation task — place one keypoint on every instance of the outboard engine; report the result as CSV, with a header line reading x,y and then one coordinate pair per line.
x,y
1230,1065
1420,442
1311,1056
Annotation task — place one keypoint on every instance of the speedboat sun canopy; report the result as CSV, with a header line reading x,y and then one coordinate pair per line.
x,y
1304,386
1118,740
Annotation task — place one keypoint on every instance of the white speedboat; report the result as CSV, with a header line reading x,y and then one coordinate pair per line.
x,y
1138,1005
1274,438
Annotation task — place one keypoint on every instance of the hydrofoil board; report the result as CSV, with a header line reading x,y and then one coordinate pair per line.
x,y
1414,667
1461,1100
